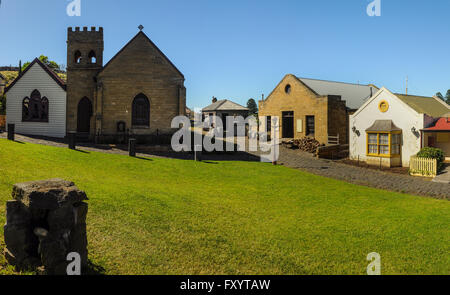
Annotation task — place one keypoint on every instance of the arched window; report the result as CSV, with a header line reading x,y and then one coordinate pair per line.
x,y
35,108
92,57
77,57
141,111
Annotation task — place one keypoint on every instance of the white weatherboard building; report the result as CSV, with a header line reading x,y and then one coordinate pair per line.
x,y
386,130
36,102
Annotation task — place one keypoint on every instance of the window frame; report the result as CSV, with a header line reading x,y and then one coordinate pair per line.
x,y
78,57
92,55
268,124
36,100
136,119
379,144
307,130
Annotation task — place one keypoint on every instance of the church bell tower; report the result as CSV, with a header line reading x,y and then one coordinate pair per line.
x,y
84,62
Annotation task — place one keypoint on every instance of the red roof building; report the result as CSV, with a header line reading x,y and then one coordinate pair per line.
x,y
443,124
438,135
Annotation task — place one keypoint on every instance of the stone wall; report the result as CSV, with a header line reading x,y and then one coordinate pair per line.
x,y
81,76
303,101
44,223
338,119
140,68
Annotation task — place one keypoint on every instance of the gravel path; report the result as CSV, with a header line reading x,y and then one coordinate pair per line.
x,y
363,176
293,159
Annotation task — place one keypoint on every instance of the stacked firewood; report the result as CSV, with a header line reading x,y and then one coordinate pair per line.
x,y
309,145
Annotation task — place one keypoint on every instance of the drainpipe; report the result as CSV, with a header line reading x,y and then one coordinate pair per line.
x,y
421,139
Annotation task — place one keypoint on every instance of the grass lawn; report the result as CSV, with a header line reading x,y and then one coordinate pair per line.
x,y
164,216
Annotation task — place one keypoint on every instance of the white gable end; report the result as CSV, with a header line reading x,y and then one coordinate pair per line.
x,y
398,112
37,78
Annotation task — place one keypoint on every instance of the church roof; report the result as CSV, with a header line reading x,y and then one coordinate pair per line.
x,y
49,71
151,42
224,105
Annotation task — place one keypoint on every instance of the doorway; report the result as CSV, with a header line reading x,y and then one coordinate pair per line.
x,y
288,124
84,115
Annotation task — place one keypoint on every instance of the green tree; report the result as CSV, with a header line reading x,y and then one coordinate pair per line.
x,y
252,107
439,95
447,96
44,59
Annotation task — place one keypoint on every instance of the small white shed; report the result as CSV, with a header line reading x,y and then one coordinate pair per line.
x,y
36,102
386,130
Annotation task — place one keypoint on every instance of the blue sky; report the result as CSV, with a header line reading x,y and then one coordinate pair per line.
x,y
241,49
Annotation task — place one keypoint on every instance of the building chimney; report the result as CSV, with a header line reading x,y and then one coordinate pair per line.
x,y
262,97
214,99
20,67
406,85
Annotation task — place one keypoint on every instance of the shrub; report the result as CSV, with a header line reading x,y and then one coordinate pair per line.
x,y
433,153
2,104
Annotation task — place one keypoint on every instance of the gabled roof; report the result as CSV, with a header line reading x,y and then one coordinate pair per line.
x,y
151,42
431,106
224,105
52,74
355,95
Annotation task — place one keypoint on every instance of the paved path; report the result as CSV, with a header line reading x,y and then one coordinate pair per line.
x,y
362,176
444,177
298,160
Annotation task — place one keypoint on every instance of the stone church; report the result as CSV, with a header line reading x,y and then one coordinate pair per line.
x,y
138,92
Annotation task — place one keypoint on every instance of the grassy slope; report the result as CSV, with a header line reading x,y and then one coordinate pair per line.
x,y
165,216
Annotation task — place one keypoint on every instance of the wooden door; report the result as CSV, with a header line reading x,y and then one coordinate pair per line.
x,y
288,125
84,115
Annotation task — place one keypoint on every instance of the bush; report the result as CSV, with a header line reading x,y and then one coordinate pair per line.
x,y
2,104
433,153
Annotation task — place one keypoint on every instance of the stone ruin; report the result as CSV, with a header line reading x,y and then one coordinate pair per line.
x,y
44,223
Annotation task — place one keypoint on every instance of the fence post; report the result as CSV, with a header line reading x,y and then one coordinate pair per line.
x,y
198,153
132,147
72,140
11,130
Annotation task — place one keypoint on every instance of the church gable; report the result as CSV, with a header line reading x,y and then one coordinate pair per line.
x,y
140,57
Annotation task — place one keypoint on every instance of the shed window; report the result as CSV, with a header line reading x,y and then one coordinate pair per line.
x,y
269,124
141,111
384,144
310,126
35,108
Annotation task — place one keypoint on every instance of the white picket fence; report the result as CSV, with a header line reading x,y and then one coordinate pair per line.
x,y
423,166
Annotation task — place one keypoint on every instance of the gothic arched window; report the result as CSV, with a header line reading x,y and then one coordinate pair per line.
x,y
35,108
141,111
92,57
77,57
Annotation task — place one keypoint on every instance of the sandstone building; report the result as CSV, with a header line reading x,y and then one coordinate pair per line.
x,y
313,108
139,91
